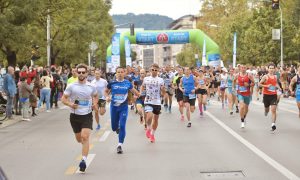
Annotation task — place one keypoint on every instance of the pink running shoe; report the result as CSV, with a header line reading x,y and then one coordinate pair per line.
x,y
152,138
148,133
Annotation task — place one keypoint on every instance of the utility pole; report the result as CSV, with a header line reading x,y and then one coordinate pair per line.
x,y
48,39
281,37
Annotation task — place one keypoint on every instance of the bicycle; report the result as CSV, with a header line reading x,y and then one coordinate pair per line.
x,y
3,102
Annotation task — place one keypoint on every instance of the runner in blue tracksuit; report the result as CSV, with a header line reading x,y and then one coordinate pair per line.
x,y
119,104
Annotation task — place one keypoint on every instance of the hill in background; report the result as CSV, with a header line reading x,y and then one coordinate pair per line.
x,y
146,21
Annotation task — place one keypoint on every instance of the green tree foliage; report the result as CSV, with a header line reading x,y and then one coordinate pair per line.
x,y
74,24
187,56
253,20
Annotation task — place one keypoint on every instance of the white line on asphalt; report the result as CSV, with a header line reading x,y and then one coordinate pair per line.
x,y
253,148
88,162
104,136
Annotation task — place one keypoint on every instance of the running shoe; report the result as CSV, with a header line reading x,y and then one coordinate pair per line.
x,y
201,113
273,128
119,150
189,125
98,127
237,110
243,125
82,166
152,138
148,133
170,110
118,131
231,112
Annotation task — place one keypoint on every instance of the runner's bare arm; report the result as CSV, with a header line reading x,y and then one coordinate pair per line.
x,y
262,81
135,92
293,81
180,85
65,100
95,101
106,94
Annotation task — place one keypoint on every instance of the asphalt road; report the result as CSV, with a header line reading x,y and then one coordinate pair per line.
x,y
213,148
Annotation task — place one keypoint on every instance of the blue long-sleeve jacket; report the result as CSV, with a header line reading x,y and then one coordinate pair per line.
x,y
9,85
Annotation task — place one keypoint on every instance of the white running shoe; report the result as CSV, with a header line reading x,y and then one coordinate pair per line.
x,y
25,119
243,125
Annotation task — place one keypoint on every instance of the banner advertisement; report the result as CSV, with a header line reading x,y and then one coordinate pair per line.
x,y
127,52
204,61
234,50
162,37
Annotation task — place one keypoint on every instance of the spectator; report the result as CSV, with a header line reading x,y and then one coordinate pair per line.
x,y
45,91
9,87
24,91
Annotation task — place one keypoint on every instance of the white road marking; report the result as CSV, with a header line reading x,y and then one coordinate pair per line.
x,y
88,162
254,149
104,136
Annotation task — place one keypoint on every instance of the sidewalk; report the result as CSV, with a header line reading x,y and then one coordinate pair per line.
x,y
18,118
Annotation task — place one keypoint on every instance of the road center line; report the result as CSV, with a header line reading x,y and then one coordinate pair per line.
x,y
254,149
104,136
88,161
280,108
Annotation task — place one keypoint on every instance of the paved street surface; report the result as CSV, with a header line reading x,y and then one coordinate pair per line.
x,y
46,148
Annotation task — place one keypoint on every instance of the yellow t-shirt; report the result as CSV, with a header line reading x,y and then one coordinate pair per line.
x,y
72,80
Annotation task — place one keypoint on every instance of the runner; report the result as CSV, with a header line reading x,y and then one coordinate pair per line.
x,y
168,77
100,85
230,91
223,85
187,86
178,92
81,97
296,92
269,84
202,91
119,105
243,93
154,87
140,101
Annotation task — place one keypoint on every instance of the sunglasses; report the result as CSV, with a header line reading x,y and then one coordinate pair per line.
x,y
81,72
154,70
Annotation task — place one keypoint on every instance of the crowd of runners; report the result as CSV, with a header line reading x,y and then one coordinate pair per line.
x,y
146,91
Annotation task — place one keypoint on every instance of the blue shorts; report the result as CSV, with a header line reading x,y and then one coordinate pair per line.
x,y
245,99
229,90
298,97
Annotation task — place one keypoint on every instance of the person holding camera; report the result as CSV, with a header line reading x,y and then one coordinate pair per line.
x,y
81,97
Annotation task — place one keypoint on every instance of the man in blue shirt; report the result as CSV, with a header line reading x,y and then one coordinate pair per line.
x,y
10,89
119,104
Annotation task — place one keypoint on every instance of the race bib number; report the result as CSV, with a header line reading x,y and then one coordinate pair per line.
x,y
192,96
272,89
201,82
83,103
119,97
242,89
148,109
222,84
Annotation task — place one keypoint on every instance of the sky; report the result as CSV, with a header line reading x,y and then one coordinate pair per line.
x,y
172,8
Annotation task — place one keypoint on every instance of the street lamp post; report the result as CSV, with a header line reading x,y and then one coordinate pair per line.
x,y
48,39
281,38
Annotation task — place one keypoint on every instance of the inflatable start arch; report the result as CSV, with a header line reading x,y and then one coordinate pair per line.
x,y
194,36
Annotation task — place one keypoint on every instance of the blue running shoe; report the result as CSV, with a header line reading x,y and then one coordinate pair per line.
x,y
98,127
82,166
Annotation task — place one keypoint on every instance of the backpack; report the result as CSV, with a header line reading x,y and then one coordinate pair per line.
x,y
56,83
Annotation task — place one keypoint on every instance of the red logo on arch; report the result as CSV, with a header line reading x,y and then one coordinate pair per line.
x,y
162,38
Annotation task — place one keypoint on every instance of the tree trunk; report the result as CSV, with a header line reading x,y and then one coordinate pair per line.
x,y
11,58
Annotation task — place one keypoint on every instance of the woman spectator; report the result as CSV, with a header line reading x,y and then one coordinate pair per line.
x,y
45,89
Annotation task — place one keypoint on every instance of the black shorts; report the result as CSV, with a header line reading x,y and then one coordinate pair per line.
x,y
155,109
79,122
179,96
101,103
201,91
269,100
217,84
186,99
